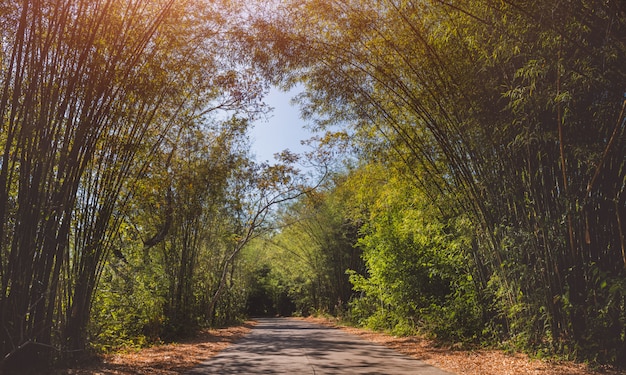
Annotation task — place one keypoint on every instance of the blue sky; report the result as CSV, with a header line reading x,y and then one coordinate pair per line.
x,y
283,129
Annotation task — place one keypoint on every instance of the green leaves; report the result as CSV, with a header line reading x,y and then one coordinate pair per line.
x,y
416,266
497,112
102,104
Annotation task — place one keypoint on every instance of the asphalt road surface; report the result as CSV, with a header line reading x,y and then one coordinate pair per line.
x,y
290,346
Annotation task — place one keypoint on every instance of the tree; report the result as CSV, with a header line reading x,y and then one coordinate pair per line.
x,y
512,111
262,187
306,257
90,91
419,270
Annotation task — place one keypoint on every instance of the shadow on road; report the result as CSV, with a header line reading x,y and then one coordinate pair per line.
x,y
288,346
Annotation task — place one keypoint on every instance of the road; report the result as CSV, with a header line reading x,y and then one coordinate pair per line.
x,y
290,346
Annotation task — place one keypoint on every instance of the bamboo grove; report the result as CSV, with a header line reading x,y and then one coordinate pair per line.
x,y
482,198
126,186
507,113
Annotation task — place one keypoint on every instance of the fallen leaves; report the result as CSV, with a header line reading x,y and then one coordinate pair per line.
x,y
469,362
181,357
169,359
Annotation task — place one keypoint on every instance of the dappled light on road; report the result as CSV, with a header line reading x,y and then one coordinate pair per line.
x,y
288,346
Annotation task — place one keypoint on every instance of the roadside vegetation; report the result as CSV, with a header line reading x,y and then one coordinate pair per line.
x,y
127,189
485,188
472,167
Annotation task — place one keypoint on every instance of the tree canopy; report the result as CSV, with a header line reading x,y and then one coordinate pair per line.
x,y
508,112
481,196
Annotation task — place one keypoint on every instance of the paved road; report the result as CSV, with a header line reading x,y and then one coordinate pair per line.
x,y
289,346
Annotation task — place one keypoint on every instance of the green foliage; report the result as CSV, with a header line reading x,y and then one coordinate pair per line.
x,y
129,309
304,269
418,276
115,169
488,203
507,114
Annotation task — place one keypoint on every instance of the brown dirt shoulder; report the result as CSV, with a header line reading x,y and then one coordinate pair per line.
x,y
167,359
469,362
178,358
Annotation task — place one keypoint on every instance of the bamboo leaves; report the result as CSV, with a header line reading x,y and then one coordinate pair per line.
x,y
504,108
91,92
